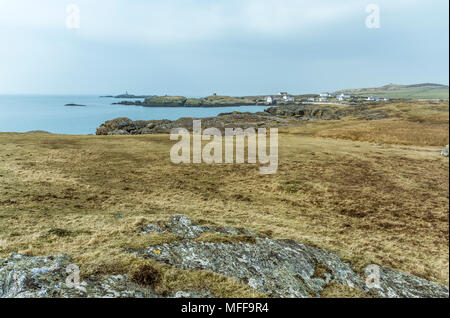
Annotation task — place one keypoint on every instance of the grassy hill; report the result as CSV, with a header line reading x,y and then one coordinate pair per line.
x,y
374,192
416,91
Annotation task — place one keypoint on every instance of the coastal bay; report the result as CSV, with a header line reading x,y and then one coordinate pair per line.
x,y
23,113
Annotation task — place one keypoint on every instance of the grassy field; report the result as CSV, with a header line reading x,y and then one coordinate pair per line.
x,y
422,91
336,188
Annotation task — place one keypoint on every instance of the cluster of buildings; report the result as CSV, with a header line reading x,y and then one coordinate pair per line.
x,y
376,99
323,97
283,96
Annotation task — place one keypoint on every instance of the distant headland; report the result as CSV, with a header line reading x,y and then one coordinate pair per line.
x,y
349,96
126,95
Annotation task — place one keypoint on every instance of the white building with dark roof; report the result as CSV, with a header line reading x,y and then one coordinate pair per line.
x,y
343,97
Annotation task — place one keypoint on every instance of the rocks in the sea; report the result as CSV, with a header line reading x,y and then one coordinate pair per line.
x,y
445,151
75,105
279,268
129,103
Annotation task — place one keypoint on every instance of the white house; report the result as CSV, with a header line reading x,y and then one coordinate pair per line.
x,y
324,95
286,97
323,99
269,100
343,97
289,98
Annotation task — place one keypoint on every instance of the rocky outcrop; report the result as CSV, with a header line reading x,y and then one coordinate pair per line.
x,y
279,268
275,267
315,112
278,116
125,126
444,151
50,277
396,284
111,127
184,228
45,277
305,112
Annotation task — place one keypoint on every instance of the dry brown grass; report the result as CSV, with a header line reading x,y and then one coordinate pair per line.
x,y
386,205
418,123
335,290
393,131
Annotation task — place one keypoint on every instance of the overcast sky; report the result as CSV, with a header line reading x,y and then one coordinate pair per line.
x,y
234,47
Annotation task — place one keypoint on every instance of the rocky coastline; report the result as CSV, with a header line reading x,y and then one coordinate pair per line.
x,y
280,116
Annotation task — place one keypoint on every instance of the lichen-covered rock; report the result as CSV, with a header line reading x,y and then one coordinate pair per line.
x,y
185,228
50,277
192,294
46,277
445,151
397,284
279,268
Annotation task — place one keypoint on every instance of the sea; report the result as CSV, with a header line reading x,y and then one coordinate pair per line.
x,y
24,113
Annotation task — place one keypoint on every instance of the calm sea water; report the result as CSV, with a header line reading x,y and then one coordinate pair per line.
x,y
25,113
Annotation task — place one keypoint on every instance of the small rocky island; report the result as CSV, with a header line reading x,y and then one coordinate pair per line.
x,y
126,95
74,105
